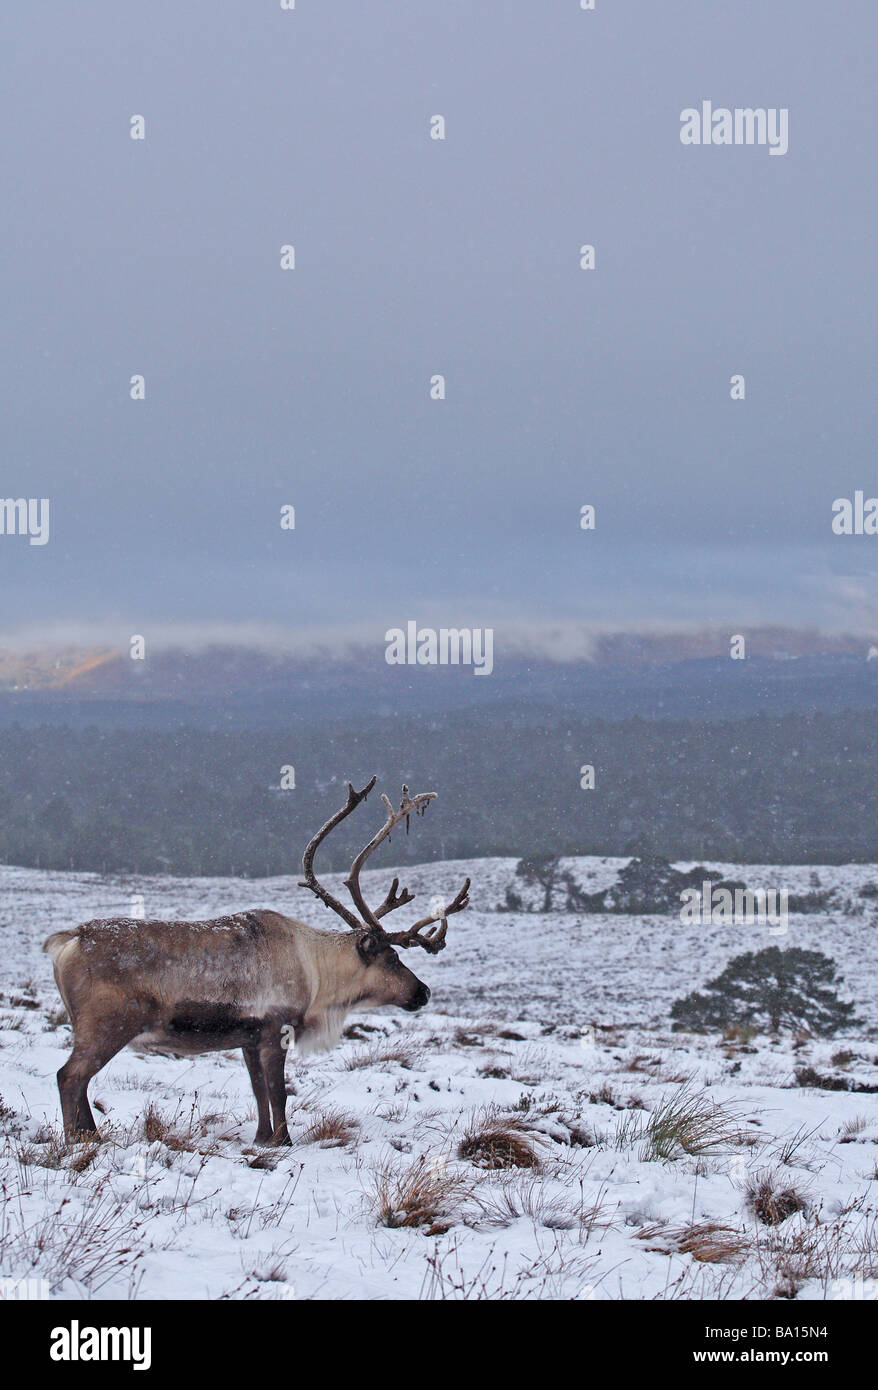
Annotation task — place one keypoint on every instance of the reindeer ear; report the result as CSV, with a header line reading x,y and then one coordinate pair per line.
x,y
368,946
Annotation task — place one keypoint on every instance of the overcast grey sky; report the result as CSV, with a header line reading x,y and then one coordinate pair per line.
x,y
415,257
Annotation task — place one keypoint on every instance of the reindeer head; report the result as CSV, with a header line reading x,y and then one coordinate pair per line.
x,y
384,978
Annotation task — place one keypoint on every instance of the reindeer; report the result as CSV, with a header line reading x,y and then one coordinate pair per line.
x,y
255,980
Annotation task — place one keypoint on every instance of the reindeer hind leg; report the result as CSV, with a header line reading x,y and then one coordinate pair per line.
x,y
94,1044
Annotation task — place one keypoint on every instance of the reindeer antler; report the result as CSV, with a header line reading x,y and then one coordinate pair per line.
x,y
409,805
392,901
310,880
435,939
370,920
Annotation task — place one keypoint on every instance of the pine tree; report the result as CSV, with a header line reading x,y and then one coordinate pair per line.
x,y
768,990
542,871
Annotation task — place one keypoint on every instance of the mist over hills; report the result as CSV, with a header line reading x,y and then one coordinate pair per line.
x,y
654,675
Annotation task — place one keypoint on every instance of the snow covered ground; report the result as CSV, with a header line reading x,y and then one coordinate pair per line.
x,y
546,1048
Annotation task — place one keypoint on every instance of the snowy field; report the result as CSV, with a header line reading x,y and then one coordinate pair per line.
x,y
546,1050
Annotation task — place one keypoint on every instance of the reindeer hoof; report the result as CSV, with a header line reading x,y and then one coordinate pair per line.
x,y
82,1136
282,1140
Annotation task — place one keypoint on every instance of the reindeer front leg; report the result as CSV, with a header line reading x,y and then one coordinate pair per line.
x,y
260,1091
271,1059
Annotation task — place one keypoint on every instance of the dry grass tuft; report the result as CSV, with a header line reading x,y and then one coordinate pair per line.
x,y
83,1155
425,1194
177,1133
51,1150
267,1159
706,1241
809,1249
530,1066
91,1242
498,1145
853,1127
332,1129
607,1096
687,1122
771,1201
159,1128
809,1076
643,1062
739,1033
406,1054
516,1196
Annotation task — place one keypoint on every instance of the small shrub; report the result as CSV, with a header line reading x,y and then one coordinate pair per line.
x,y
51,1150
83,1156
